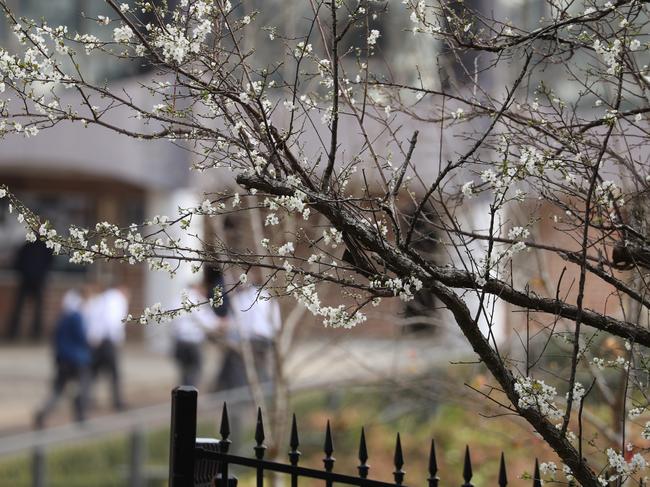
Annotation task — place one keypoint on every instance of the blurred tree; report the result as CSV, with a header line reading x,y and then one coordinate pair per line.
x,y
526,165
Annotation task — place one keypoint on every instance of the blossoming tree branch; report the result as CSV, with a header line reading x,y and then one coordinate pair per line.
x,y
521,149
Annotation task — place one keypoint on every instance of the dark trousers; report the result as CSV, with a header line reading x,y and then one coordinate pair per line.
x,y
67,373
233,370
190,361
105,362
33,291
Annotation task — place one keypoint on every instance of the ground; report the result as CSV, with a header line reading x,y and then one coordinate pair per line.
x,y
25,372
399,388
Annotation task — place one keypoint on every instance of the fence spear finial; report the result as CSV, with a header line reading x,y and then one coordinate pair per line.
x,y
503,478
467,469
329,460
537,480
259,436
433,466
224,430
363,456
294,454
225,423
399,462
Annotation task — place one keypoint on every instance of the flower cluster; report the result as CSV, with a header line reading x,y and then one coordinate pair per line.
x,y
287,248
622,467
372,38
155,313
608,194
645,433
610,54
403,288
578,392
535,394
332,237
636,412
532,160
297,203
122,34
618,362
335,317
420,19
549,469
175,45
468,189
180,40
518,233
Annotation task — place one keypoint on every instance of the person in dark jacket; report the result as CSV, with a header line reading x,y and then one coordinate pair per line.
x,y
72,357
33,263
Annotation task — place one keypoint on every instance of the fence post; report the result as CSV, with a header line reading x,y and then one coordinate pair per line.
x,y
138,458
182,436
38,467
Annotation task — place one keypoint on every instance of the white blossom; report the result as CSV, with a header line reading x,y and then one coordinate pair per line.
x,y
468,189
287,248
458,114
372,38
271,219
518,233
635,412
535,394
548,468
122,34
622,467
302,49
645,434
332,237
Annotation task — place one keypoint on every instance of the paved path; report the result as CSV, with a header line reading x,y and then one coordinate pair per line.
x,y
25,371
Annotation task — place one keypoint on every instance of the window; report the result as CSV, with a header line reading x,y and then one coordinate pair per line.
x,y
63,208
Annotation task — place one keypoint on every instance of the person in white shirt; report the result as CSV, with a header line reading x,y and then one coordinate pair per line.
x,y
190,331
105,313
255,319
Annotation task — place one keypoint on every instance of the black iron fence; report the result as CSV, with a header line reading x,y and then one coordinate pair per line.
x,y
205,462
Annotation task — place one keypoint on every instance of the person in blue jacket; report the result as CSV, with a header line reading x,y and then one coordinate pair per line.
x,y
72,358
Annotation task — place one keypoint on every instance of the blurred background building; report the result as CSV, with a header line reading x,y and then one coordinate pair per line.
x,y
75,175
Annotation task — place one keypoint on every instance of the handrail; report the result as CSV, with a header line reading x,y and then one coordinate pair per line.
x,y
126,421
119,422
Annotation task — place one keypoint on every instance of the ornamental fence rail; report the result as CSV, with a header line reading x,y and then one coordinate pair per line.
x,y
206,462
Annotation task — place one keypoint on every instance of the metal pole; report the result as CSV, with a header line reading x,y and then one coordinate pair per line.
x,y
138,458
38,467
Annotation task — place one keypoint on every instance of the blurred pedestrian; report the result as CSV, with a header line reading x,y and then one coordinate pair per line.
x,y
190,331
254,323
72,359
106,312
32,264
